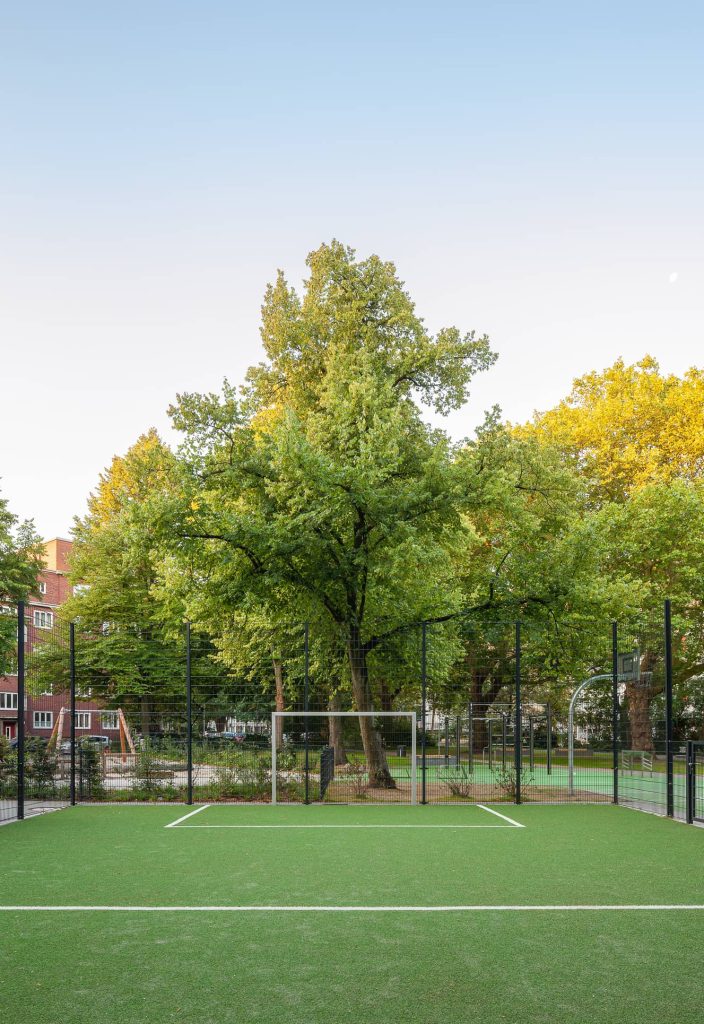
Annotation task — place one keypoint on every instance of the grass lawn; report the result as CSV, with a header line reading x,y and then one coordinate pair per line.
x,y
362,964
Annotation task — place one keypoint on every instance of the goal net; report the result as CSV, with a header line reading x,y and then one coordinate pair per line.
x,y
343,757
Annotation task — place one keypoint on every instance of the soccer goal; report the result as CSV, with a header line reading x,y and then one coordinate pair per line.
x,y
343,757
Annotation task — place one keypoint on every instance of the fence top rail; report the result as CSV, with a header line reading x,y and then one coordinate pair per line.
x,y
343,714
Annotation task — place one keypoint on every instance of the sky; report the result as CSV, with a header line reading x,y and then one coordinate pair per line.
x,y
535,170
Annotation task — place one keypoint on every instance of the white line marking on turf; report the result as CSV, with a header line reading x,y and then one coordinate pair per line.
x,y
471,908
516,824
342,826
173,824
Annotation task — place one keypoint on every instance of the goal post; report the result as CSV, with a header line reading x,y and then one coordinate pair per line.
x,y
318,756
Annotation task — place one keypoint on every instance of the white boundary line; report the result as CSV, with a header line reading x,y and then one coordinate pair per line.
x,y
173,824
264,908
516,824
340,826
483,807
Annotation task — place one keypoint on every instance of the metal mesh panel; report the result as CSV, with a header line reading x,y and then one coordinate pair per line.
x,y
642,781
8,713
333,757
504,713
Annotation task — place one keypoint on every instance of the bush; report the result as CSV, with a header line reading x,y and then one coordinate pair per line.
x,y
40,766
8,769
90,773
240,772
149,771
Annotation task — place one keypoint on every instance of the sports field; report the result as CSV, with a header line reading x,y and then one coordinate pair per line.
x,y
364,914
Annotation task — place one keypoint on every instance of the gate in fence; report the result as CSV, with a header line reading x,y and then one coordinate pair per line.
x,y
695,781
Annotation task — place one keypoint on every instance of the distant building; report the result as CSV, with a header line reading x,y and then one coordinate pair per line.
x,y
42,711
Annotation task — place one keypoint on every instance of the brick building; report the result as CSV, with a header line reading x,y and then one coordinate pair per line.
x,y
42,710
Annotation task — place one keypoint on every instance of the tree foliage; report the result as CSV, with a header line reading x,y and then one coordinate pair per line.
x,y
629,426
21,560
322,481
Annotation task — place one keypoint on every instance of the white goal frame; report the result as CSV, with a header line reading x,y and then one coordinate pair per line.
x,y
347,714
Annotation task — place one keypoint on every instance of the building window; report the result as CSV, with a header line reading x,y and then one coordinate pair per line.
x,y
80,588
83,719
109,720
42,587
43,620
8,701
43,719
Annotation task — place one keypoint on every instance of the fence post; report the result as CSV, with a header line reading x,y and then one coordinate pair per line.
x,y
691,774
423,705
518,725
668,710
72,708
306,665
189,718
470,731
615,711
20,709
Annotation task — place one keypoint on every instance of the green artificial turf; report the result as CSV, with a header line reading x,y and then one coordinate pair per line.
x,y
324,968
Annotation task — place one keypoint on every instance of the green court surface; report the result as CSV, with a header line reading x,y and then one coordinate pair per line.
x,y
318,915
633,785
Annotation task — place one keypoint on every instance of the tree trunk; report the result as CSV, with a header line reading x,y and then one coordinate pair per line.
x,y
379,775
385,697
482,702
280,701
638,701
335,732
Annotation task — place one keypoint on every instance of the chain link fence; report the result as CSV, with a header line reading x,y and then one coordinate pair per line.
x,y
462,709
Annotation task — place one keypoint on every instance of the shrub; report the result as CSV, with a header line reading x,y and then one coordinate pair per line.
x,y
149,771
8,769
90,773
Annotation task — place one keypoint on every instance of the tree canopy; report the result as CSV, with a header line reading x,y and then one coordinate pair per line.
x,y
629,426
21,560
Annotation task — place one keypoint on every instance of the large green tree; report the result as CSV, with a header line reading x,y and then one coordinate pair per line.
x,y
531,554
129,641
655,542
635,437
322,477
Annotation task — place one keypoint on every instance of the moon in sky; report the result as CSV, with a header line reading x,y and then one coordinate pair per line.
x,y
673,277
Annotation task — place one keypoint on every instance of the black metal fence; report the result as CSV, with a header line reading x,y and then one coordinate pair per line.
x,y
469,708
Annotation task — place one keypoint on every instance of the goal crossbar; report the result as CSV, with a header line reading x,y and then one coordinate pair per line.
x,y
275,715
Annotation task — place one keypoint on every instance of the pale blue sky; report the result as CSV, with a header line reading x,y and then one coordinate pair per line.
x,y
535,170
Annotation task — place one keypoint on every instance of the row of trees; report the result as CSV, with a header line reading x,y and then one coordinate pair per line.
x,y
318,491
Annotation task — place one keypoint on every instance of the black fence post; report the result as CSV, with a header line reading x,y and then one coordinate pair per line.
x,y
189,718
518,725
423,706
20,709
548,731
669,751
72,709
470,730
615,710
691,776
306,665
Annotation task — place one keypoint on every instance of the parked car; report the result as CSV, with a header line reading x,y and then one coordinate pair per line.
x,y
29,742
94,741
